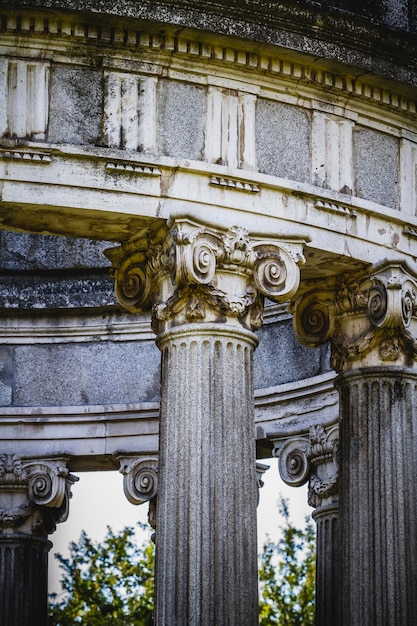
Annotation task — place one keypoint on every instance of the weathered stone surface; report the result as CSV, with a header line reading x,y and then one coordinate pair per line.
x,y
304,26
378,504
81,279
76,99
376,163
395,13
181,118
26,251
24,566
63,291
277,153
280,358
6,376
206,518
101,373
206,288
307,72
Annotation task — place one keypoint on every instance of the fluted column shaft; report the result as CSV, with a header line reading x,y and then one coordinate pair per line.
x,y
378,420
327,566
23,580
207,492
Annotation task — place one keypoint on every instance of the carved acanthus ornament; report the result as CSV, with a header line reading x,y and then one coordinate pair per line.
x,y
34,494
369,320
312,458
191,273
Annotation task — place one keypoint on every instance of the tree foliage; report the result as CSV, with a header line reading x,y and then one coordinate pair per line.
x,y
287,576
112,582
106,583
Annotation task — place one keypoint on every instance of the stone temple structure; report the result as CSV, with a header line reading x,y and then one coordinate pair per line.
x,y
179,182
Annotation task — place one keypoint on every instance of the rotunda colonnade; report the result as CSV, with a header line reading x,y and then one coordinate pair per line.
x,y
228,171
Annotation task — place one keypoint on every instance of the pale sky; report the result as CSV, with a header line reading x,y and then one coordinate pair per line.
x,y
98,501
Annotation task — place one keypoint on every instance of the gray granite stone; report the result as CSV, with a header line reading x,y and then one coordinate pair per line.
x,y
378,505
75,105
206,513
277,152
93,373
6,375
181,119
394,13
24,251
376,164
279,358
56,291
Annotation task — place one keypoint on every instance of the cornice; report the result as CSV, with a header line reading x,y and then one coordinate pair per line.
x,y
73,32
304,25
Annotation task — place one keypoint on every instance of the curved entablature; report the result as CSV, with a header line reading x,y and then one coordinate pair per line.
x,y
108,131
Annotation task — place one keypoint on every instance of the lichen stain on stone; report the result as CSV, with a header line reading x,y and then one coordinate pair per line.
x,y
382,231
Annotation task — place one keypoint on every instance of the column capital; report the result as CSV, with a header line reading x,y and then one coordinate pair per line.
x,y
314,458
189,272
260,471
140,477
140,482
35,494
370,319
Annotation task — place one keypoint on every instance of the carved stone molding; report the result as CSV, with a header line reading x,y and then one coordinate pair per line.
x,y
72,29
35,494
368,319
193,273
312,458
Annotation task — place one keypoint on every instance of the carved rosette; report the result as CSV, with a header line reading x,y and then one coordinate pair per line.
x,y
369,320
192,273
312,458
44,488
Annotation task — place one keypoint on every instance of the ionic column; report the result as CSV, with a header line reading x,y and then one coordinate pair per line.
x,y
34,496
372,325
314,458
206,288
